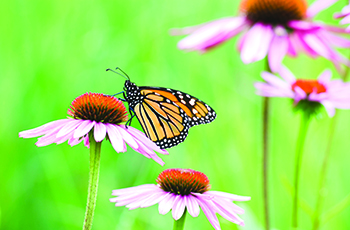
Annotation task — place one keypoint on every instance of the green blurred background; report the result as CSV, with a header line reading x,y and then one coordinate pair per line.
x,y
53,51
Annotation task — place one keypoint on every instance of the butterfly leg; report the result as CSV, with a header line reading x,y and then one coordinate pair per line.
x,y
132,113
117,94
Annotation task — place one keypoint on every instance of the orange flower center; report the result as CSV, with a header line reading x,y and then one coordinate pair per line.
x,y
275,12
183,181
98,107
309,86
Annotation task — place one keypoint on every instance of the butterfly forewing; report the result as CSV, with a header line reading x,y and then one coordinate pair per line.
x,y
197,111
166,114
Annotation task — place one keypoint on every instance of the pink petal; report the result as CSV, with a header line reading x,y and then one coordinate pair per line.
x,y
212,33
325,76
278,49
141,198
318,6
287,75
149,153
44,129
275,81
192,205
300,93
228,196
139,188
115,138
223,209
178,207
304,25
257,43
155,198
292,49
329,108
86,141
68,127
209,213
344,12
74,141
99,131
298,41
142,138
127,137
166,204
345,20
83,128
317,45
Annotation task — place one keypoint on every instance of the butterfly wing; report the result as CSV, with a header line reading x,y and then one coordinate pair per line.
x,y
197,111
163,121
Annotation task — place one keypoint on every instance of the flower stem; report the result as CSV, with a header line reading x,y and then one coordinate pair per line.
x,y
265,160
266,106
298,157
95,152
180,223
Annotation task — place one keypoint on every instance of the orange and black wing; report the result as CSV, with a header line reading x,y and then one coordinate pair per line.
x,y
197,111
163,121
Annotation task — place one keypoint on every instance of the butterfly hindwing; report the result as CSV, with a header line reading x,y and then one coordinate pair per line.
x,y
163,121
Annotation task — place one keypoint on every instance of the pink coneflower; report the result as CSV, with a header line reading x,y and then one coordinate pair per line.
x,y
181,190
309,94
271,28
345,15
101,115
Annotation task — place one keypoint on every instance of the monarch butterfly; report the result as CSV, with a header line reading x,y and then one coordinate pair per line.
x,y
165,114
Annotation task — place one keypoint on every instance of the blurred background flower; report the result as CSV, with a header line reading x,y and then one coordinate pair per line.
x,y
272,28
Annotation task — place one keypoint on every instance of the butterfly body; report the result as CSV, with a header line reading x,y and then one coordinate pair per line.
x,y
166,114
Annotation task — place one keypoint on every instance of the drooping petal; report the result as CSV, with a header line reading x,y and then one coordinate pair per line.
x,y
192,205
329,108
209,213
166,204
139,188
318,6
257,43
68,127
287,75
99,131
230,196
44,129
142,138
325,76
141,198
212,33
275,81
115,138
154,199
127,137
178,207
223,209
278,49
83,128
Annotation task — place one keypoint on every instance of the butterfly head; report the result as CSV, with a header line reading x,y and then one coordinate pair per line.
x,y
133,95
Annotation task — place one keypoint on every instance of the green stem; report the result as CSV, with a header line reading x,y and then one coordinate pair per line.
x,y
179,224
298,157
265,160
95,152
323,173
266,106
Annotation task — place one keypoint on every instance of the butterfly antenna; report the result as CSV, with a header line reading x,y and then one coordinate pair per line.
x,y
123,73
124,76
